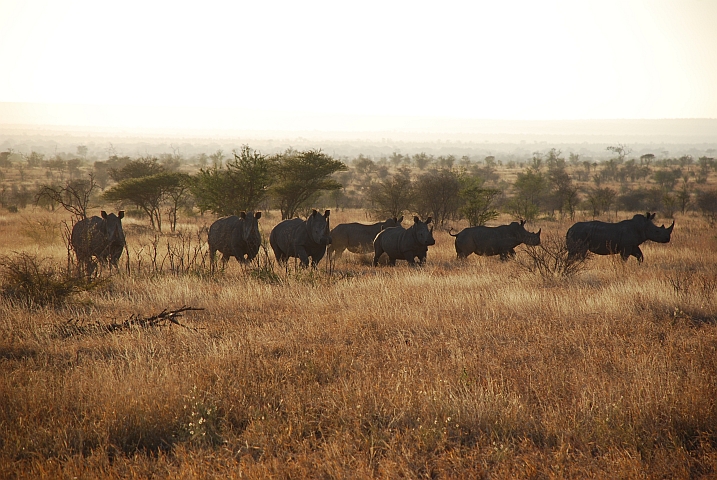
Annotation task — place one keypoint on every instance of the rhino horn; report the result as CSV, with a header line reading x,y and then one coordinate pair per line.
x,y
539,230
400,219
416,219
669,229
429,220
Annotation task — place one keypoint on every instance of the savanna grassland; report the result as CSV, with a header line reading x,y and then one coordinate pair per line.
x,y
458,369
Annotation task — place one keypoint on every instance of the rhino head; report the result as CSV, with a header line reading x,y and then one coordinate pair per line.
x,y
318,226
423,235
528,238
392,222
113,228
652,231
250,229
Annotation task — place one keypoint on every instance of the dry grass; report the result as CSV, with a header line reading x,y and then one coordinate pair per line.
x,y
458,369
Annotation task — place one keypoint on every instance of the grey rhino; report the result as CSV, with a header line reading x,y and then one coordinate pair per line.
x,y
404,243
102,238
302,238
623,237
500,240
235,236
357,237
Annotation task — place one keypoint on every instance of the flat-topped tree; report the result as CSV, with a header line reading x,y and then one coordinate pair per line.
x,y
300,176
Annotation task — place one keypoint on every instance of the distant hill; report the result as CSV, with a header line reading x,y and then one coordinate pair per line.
x,y
202,122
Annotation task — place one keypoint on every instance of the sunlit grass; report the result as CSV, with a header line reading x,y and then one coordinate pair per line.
x,y
460,368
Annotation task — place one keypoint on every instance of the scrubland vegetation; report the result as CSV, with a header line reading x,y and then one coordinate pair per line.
x,y
474,368
455,369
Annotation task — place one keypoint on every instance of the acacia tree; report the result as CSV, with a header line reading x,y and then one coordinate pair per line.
x,y
564,195
241,186
149,194
530,188
392,196
707,203
477,201
138,168
439,195
300,176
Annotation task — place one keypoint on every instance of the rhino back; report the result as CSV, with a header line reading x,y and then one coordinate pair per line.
x,y
601,237
354,235
394,241
89,238
221,233
286,234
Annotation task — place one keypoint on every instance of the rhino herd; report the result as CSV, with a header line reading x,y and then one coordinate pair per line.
x,y
102,239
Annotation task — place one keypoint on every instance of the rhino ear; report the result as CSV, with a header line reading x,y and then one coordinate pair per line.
x,y
400,219
257,215
327,213
416,219
522,222
104,214
429,220
242,215
120,214
651,217
313,212
647,215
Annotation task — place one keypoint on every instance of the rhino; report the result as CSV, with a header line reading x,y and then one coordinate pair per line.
x,y
235,236
302,238
98,237
488,241
357,237
404,243
623,237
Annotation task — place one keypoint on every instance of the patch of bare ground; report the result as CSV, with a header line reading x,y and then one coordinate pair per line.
x,y
473,368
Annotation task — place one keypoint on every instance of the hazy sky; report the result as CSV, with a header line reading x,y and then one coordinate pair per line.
x,y
473,59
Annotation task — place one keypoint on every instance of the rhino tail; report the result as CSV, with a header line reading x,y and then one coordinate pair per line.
x,y
449,232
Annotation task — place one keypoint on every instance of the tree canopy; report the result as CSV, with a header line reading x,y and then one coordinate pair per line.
x,y
300,176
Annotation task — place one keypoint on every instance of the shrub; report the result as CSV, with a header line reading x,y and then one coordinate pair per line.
x,y
550,259
34,282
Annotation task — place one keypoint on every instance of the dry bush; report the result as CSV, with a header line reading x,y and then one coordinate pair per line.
x,y
35,282
550,259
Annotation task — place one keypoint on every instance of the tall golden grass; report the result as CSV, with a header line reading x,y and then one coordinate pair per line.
x,y
474,368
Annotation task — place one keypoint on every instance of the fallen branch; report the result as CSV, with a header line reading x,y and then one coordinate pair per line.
x,y
73,328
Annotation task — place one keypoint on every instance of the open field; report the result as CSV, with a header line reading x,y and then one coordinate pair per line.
x,y
458,369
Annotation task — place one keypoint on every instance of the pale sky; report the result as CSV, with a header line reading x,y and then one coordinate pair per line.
x,y
492,59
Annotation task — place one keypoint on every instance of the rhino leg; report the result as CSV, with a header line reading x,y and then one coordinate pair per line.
x,y
637,253
336,250
507,255
410,258
281,257
378,251
302,255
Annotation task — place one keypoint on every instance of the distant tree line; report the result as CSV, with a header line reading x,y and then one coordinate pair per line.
x,y
444,187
